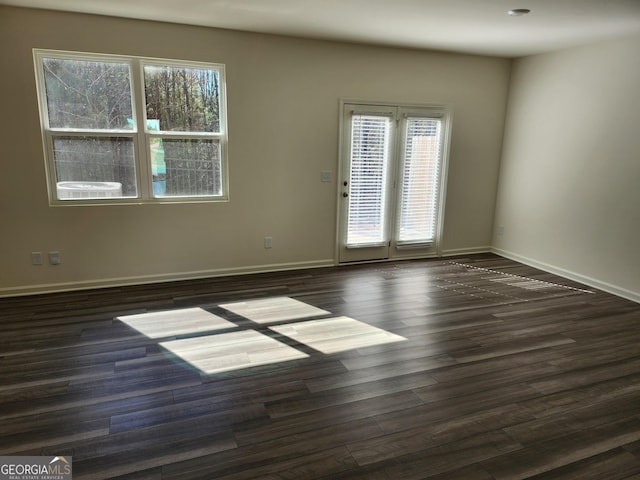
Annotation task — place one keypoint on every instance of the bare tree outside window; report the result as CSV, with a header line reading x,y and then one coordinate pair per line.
x,y
180,99
88,95
91,96
93,133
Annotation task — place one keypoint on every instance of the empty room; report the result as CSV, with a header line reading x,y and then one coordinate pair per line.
x,y
284,239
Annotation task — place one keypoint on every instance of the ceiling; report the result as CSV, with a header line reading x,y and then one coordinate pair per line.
x,y
469,26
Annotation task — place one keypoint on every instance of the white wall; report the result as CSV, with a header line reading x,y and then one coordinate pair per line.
x,y
283,102
569,191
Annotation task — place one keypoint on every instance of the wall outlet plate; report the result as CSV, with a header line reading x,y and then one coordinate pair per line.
x,y
36,258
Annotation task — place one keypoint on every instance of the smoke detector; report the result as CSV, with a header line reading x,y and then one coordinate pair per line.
x,y
519,12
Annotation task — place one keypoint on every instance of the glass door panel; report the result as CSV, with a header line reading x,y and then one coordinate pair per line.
x,y
391,190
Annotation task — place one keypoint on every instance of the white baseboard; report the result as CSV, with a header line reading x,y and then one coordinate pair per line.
x,y
465,251
149,279
172,277
592,282
162,278
444,253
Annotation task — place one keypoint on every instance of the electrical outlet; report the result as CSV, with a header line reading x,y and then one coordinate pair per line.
x,y
36,258
500,229
54,258
325,176
268,242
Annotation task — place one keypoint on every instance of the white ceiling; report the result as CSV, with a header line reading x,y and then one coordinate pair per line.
x,y
471,26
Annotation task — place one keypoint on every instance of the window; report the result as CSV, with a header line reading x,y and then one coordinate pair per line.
x,y
369,173
130,130
421,157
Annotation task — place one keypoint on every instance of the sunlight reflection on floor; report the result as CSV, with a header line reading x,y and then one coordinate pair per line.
x,y
232,351
277,309
337,334
170,323
213,352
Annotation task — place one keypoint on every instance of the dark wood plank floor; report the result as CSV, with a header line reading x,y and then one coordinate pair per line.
x,y
507,373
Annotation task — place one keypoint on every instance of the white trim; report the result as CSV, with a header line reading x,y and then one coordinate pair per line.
x,y
139,133
443,112
444,107
452,252
447,120
571,275
160,278
428,256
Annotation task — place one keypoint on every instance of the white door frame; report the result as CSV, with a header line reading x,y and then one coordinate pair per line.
x,y
394,251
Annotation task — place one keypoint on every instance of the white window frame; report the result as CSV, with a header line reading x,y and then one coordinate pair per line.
x,y
441,114
139,134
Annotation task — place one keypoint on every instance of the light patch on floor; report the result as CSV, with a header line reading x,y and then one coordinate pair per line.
x,y
337,334
212,352
231,351
170,323
517,280
277,309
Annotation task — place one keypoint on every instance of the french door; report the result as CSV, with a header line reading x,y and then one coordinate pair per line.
x,y
392,179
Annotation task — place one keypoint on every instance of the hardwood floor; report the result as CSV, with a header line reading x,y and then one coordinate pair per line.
x,y
470,368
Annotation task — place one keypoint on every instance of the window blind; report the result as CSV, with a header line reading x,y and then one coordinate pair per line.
x,y
420,179
368,180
